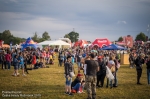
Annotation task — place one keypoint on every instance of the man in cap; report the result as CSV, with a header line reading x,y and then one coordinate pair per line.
x,y
91,71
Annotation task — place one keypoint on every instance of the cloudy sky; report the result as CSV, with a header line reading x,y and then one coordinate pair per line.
x,y
90,18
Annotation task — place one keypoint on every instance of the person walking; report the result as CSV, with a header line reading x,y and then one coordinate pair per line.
x,y
139,62
90,80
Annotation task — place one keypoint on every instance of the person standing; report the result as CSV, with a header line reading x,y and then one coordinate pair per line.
x,y
90,80
3,60
21,63
139,62
102,73
61,59
15,63
148,70
68,70
78,60
111,65
33,60
8,59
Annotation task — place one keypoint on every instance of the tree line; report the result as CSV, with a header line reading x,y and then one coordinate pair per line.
x,y
8,38
139,37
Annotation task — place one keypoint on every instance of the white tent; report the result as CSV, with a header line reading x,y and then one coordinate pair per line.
x,y
59,43
45,43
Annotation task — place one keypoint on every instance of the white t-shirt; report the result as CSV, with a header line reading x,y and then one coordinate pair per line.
x,y
85,66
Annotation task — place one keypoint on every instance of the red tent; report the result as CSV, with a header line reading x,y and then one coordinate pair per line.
x,y
101,42
80,43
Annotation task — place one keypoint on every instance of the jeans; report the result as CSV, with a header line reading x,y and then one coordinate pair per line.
x,y
3,64
68,81
77,87
109,83
116,80
79,64
60,62
8,63
139,73
148,75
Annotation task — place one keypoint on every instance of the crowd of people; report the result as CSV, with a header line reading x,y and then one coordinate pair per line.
x,y
96,65
25,60
99,64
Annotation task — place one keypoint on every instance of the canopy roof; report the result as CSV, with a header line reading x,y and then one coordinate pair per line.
x,y
57,42
29,42
114,47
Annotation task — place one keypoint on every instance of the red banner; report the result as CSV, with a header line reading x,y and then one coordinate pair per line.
x,y
129,41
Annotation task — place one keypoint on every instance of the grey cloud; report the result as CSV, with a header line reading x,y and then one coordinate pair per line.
x,y
91,17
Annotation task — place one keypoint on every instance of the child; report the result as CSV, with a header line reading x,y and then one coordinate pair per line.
x,y
51,59
15,63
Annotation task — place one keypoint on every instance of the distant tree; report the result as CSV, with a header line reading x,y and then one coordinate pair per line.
x,y
6,36
16,40
73,36
35,37
46,36
141,36
66,36
41,39
120,39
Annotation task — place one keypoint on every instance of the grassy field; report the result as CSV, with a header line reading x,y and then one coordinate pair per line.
x,y
48,83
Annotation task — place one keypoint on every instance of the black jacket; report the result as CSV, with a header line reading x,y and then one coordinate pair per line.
x,y
102,66
68,68
148,64
139,62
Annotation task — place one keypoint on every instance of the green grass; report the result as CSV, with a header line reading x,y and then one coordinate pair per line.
x,y
49,83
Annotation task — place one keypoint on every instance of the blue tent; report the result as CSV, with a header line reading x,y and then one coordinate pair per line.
x,y
29,43
114,47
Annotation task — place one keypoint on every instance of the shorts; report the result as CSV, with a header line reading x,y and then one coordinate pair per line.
x,y
79,64
15,67
68,81
21,66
